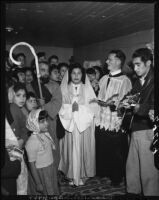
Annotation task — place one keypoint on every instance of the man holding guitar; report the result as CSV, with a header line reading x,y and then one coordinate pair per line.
x,y
141,175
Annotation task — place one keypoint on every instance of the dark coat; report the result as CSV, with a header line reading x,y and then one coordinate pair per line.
x,y
19,124
141,118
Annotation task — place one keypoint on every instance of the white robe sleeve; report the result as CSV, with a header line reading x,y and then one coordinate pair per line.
x,y
66,117
82,118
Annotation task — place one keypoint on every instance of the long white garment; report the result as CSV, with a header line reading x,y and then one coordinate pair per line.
x,y
117,88
79,126
22,180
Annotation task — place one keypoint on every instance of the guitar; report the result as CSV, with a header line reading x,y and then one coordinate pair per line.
x,y
124,108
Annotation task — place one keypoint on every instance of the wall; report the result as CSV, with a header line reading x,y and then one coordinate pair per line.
x,y
128,44
97,51
64,54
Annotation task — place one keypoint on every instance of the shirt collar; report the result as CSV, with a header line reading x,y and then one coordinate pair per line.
x,y
115,72
76,85
143,77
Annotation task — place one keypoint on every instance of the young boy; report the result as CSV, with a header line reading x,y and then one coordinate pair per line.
x,y
31,103
53,84
19,99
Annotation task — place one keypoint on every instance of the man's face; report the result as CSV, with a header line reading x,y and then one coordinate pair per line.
x,y
141,68
44,72
113,62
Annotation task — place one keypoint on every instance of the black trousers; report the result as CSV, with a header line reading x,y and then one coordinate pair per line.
x,y
111,154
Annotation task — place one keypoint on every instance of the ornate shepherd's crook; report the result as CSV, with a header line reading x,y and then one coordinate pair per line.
x,y
36,61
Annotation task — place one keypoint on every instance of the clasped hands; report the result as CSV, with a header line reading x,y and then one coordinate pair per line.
x,y
75,106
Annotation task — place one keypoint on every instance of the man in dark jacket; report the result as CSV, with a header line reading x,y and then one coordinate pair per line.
x,y
141,174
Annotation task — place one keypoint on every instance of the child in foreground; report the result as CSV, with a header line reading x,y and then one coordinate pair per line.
x,y
39,150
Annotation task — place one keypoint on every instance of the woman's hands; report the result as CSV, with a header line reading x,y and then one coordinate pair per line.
x,y
75,107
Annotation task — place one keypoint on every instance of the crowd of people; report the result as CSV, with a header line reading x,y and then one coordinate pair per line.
x,y
86,123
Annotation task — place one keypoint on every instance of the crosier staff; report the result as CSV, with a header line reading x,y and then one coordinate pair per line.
x,y
36,61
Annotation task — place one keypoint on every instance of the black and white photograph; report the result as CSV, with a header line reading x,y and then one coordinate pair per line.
x,y
78,94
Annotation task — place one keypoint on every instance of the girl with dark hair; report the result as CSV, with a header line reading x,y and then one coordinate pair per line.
x,y
99,72
77,147
29,78
39,149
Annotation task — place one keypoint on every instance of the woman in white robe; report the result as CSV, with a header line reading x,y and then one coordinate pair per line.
x,y
77,148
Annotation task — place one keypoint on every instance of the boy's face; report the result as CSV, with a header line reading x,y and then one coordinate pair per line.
x,y
91,77
43,125
22,60
62,71
76,76
54,61
42,58
54,75
21,77
19,98
28,77
31,103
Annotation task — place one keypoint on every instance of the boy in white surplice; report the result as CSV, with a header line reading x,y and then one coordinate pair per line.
x,y
77,148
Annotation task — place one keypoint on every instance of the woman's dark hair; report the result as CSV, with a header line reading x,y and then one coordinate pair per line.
x,y
52,67
74,66
43,115
30,94
90,71
19,86
63,64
